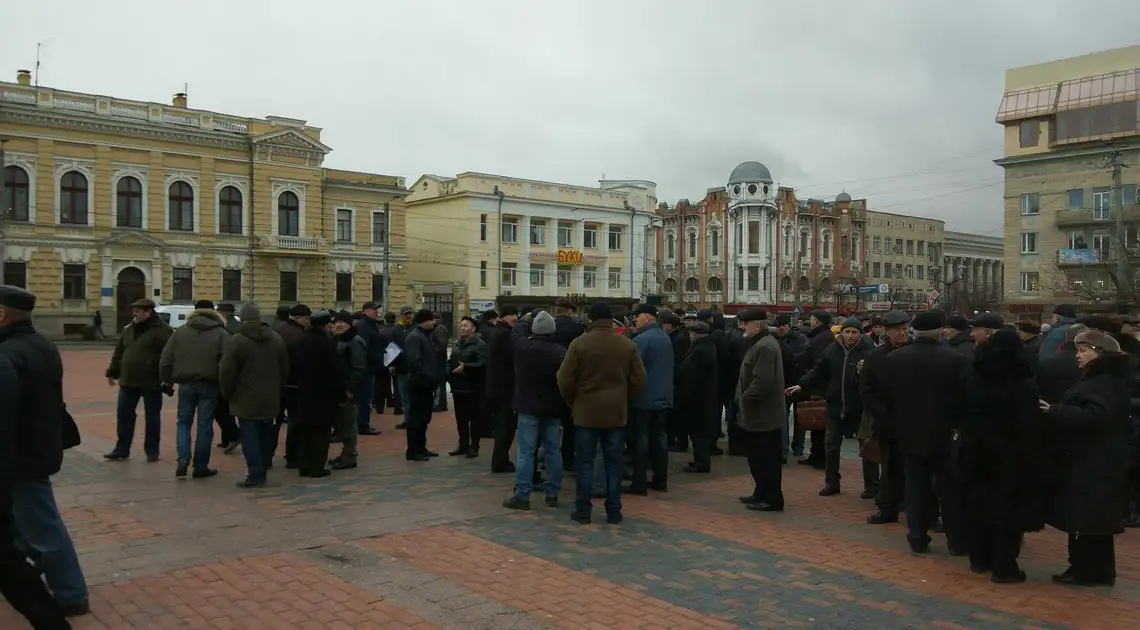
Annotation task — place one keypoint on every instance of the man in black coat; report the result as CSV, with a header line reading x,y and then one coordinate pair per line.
x,y
385,393
726,370
292,330
31,451
501,387
958,336
875,391
423,373
399,366
697,395
322,385
1031,339
819,341
676,435
567,328
368,329
737,347
927,392
796,342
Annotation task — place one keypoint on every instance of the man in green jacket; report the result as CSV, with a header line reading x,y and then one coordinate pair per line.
x,y
134,368
191,359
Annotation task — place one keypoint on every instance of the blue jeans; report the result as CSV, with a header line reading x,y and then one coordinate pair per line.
x,y
650,448
530,428
42,535
256,442
125,423
585,447
599,473
203,399
402,385
363,402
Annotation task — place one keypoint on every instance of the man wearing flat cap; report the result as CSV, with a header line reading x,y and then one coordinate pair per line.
x,y
31,451
292,331
1064,318
1030,332
876,424
924,404
424,372
983,326
500,384
651,406
322,385
761,411
820,340
134,366
698,395
958,336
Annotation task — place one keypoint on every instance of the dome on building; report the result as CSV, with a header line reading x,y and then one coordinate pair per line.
x,y
841,197
750,172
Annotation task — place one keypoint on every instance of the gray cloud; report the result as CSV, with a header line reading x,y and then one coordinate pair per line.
x,y
889,99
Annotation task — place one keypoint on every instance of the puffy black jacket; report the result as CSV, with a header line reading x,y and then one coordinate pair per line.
x,y
422,362
31,397
353,351
369,331
472,354
500,362
536,362
835,373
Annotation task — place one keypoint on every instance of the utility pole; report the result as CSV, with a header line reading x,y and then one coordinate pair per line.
x,y
1125,279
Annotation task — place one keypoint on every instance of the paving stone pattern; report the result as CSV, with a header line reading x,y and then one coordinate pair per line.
x,y
395,545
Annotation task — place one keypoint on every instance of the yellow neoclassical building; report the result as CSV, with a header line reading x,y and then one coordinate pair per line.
x,y
108,200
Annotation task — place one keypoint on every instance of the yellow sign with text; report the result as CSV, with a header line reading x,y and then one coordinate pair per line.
x,y
570,257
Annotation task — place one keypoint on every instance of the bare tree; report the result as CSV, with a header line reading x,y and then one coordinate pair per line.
x,y
969,295
1092,283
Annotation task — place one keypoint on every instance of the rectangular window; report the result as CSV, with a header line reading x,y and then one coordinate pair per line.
x,y
615,238
908,272
563,277
1030,204
231,285
1030,281
182,286
483,274
16,274
739,276
377,287
714,244
344,226
1077,240
75,282
1101,202
876,245
509,233
589,277
537,275
537,232
920,272
483,228
565,234
898,271
886,270
343,287
875,270
1128,194
1029,242
920,248
739,239
379,228
909,247
898,246
288,286
1029,134
1077,199
615,277
590,237
509,271
843,247
753,237
753,277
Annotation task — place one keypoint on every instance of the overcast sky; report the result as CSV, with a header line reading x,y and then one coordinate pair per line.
x,y
889,100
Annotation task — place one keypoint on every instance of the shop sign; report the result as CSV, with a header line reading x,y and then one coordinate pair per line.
x,y
570,257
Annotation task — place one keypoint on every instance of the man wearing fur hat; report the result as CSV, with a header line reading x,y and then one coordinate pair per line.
x,y
191,359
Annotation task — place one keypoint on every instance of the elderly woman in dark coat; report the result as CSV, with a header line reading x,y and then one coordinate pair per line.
x,y
1092,426
1001,457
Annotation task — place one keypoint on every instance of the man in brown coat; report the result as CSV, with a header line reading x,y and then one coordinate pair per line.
x,y
600,375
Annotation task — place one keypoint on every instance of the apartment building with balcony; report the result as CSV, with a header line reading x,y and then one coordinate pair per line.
x,y
505,240
1064,121
107,200
904,253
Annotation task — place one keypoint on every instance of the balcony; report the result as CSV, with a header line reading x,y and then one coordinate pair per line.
x,y
1093,215
304,245
1080,257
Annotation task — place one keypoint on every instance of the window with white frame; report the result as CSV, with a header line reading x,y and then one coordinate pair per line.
x,y
615,277
537,232
483,274
180,198
379,228
288,214
509,232
17,193
753,277
670,246
876,244
1030,281
691,246
590,236
566,234
344,226
714,243
74,282
1030,204
564,273
229,210
537,275
483,228
73,191
231,285
343,287
182,284
1029,242
1077,240
589,277
287,286
615,238
908,272
509,271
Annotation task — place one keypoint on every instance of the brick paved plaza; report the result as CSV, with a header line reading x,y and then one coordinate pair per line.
x,y
394,544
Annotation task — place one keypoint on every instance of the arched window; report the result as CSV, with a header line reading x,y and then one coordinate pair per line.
x,y
714,243
73,198
692,285
804,283
15,202
229,210
714,285
805,243
786,284
789,243
826,251
288,214
181,198
825,286
769,227
670,286
843,247
692,253
856,241
670,246
128,203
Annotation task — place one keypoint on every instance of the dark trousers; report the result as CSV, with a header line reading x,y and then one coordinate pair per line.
x,y
393,383
227,424
287,418
993,547
20,583
125,422
568,442
649,450
312,445
363,403
832,447
871,473
676,433
468,418
798,434
418,407
506,424
257,445
702,451
1092,557
765,453
929,479
816,452
382,390
892,479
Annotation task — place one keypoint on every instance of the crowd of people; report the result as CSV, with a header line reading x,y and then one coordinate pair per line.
x,y
978,429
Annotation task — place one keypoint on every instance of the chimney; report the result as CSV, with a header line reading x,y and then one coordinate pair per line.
x,y
180,100
24,77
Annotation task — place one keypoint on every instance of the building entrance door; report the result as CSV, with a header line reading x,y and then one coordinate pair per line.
x,y
131,286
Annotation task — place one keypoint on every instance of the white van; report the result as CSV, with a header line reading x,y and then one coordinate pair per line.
x,y
174,314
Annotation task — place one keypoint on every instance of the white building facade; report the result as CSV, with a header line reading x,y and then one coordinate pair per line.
x,y
752,223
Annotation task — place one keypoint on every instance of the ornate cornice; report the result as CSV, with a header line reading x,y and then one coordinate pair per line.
x,y
133,129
